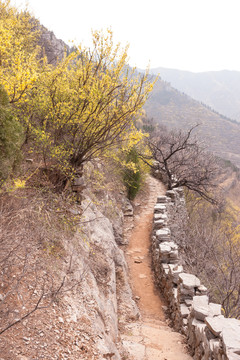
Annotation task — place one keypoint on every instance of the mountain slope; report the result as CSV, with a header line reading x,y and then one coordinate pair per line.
x,y
169,107
218,89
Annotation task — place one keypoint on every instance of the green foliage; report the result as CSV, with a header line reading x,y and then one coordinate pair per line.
x,y
10,137
132,173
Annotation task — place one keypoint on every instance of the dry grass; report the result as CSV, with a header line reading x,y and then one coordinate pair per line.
x,y
42,258
33,261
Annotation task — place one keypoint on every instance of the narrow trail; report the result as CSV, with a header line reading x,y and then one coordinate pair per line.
x,y
150,338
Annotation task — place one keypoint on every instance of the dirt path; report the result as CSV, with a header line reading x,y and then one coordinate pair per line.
x,y
150,338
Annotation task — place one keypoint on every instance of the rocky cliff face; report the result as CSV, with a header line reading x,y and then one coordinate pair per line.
x,y
104,295
52,47
63,297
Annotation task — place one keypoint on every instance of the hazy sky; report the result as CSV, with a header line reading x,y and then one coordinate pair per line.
x,y
195,35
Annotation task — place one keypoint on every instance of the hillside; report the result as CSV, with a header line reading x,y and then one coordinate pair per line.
x,y
74,249
218,89
169,107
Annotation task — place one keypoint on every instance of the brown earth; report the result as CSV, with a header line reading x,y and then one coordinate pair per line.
x,y
150,337
66,329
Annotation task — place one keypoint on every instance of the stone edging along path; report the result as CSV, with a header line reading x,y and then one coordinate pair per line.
x,y
149,338
210,335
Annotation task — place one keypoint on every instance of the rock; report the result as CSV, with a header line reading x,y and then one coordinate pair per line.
x,y
184,310
164,248
26,338
202,289
173,254
231,338
158,224
214,345
160,216
159,209
198,329
215,324
163,234
175,293
175,271
128,210
189,281
200,307
118,230
168,252
138,261
188,302
186,293
166,270
161,199
165,266
173,245
215,309
54,48
171,194
233,354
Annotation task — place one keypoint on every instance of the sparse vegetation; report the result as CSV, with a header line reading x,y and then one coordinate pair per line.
x,y
210,242
132,173
182,161
11,137
80,119
171,108
62,116
32,233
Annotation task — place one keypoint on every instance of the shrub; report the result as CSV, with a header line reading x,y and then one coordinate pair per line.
x,y
132,173
10,137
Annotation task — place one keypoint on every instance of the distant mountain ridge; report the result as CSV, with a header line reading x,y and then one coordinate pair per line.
x,y
53,48
170,107
218,89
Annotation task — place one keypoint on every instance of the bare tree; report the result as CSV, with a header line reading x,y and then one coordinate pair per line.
x,y
210,247
183,161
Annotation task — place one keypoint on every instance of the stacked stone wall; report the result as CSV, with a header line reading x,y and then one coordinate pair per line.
x,y
209,334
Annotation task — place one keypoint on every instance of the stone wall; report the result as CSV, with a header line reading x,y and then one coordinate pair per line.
x,y
209,334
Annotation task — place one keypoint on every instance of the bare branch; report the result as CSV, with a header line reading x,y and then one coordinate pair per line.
x,y
181,160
